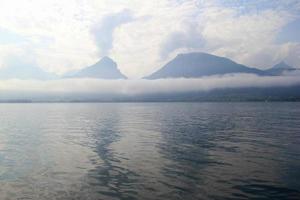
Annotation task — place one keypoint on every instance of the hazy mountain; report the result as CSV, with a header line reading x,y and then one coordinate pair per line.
x,y
279,69
106,68
25,71
193,65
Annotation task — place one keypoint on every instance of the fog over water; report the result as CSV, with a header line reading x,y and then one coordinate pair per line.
x,y
141,86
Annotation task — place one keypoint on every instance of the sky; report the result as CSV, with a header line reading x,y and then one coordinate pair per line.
x,y
61,36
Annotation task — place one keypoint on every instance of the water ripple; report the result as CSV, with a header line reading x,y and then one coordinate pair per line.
x,y
150,151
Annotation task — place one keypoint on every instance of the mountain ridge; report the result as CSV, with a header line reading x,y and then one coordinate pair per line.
x,y
198,64
105,68
280,69
25,72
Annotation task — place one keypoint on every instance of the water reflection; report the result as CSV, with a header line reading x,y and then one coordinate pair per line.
x,y
150,151
111,178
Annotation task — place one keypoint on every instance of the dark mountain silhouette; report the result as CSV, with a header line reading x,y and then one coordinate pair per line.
x,y
106,68
193,65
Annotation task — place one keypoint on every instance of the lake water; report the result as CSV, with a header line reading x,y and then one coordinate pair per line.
x,y
150,151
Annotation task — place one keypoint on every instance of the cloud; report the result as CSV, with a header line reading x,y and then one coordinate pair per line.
x,y
55,32
189,39
104,30
248,38
86,88
66,35
244,32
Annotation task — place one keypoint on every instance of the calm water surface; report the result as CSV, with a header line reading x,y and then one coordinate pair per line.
x,y
150,151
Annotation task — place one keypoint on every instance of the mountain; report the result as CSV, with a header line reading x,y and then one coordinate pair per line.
x,y
106,68
280,69
193,65
25,72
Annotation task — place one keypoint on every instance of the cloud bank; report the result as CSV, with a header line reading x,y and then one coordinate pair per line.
x,y
86,87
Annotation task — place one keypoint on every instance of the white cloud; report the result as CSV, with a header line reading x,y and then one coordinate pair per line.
x,y
58,32
103,32
141,86
248,39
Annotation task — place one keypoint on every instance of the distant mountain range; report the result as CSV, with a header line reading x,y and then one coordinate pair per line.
x,y
106,68
25,72
190,65
194,65
280,69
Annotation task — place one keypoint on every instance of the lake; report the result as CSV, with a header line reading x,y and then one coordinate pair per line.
x,y
150,151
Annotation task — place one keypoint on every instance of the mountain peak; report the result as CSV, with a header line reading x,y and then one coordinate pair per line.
x,y
105,68
195,54
106,59
282,65
198,64
280,69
